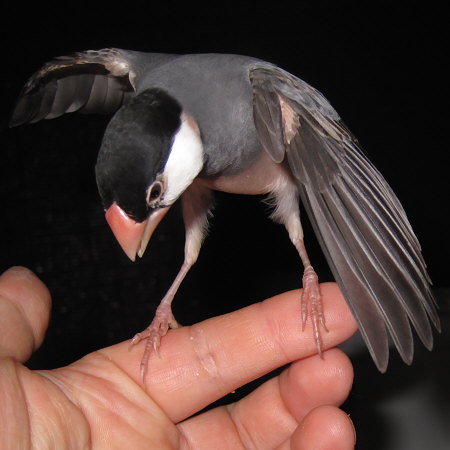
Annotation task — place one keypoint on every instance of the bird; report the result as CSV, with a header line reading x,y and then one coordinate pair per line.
x,y
185,126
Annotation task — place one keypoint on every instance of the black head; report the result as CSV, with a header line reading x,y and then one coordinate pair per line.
x,y
135,148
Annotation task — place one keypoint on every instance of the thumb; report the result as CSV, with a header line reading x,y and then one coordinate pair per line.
x,y
25,305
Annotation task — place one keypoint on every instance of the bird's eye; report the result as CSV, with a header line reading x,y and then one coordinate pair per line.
x,y
154,193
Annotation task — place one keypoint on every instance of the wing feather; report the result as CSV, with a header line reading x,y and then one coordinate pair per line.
x,y
95,81
360,224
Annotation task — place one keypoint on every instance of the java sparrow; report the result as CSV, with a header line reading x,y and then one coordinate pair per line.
x,y
186,125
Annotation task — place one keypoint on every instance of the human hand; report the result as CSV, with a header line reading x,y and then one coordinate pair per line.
x,y
98,402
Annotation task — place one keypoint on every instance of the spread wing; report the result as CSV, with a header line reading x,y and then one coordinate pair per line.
x,y
95,81
360,224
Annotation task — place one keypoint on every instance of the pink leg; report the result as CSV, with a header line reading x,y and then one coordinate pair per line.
x,y
196,202
311,297
287,212
161,323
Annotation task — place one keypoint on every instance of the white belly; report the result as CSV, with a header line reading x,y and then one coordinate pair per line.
x,y
262,177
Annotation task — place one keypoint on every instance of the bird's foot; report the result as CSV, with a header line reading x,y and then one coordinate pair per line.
x,y
311,297
158,328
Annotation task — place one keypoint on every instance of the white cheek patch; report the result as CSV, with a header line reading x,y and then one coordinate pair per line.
x,y
185,160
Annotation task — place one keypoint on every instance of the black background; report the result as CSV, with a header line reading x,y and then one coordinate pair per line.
x,y
382,65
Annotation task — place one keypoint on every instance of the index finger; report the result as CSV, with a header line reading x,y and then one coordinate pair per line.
x,y
201,363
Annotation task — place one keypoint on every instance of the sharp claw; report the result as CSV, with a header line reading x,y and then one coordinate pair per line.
x,y
152,334
322,322
135,340
304,312
156,342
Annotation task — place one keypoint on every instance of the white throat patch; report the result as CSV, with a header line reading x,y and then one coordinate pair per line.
x,y
185,160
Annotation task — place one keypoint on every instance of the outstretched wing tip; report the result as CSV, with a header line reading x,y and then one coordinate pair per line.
x,y
360,224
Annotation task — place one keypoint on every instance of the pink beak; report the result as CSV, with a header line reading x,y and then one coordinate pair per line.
x,y
133,236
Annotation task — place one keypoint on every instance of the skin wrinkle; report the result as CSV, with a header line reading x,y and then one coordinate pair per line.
x,y
288,419
282,398
205,356
35,422
183,440
18,394
241,430
229,409
278,349
25,401
62,388
72,396
274,332
172,380
259,338
98,401
70,393
244,434
219,414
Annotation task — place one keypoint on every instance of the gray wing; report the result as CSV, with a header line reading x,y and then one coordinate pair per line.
x,y
360,224
95,81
